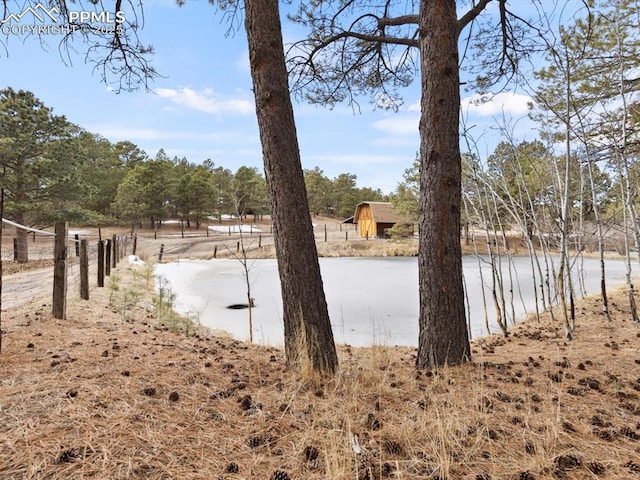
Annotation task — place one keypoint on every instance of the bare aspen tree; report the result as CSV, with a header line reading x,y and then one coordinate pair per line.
x,y
470,166
564,271
600,235
486,217
467,202
241,256
622,159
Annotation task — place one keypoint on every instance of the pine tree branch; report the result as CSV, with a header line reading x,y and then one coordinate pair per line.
x,y
472,14
399,21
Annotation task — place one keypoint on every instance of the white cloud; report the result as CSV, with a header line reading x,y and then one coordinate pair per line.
x,y
117,132
398,125
489,104
205,101
486,105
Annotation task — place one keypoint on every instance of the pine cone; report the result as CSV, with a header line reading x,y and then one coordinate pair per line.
x,y
280,475
392,447
255,441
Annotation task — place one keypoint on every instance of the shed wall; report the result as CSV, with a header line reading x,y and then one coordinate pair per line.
x,y
366,222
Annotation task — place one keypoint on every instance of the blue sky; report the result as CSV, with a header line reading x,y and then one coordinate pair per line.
x,y
203,106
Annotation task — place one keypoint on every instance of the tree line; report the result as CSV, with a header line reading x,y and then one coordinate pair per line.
x,y
53,170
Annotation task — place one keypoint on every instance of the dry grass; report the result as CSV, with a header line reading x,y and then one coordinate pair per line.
x,y
112,394
352,248
11,267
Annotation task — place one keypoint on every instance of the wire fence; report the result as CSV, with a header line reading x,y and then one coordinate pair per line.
x,y
31,284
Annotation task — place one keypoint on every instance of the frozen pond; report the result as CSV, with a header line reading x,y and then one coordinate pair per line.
x,y
371,300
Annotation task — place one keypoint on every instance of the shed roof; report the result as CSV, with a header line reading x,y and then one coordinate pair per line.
x,y
383,212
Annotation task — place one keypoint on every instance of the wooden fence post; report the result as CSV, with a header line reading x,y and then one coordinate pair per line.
x,y
215,251
107,258
60,271
100,263
346,236
259,241
325,232
15,249
84,270
161,252
76,242
135,244
114,251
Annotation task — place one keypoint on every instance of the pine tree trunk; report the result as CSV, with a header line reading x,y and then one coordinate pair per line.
x,y
307,329
443,337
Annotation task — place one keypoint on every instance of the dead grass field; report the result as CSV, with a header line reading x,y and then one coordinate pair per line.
x,y
114,393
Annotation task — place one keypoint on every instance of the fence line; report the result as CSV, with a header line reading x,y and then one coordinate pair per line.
x,y
35,286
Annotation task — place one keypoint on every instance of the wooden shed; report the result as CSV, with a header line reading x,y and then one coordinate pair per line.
x,y
373,218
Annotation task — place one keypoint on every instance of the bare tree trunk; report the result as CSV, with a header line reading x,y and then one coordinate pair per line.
x,y
485,194
499,270
580,239
598,219
527,226
629,206
241,256
532,248
307,329
627,245
443,337
563,272
479,260
497,291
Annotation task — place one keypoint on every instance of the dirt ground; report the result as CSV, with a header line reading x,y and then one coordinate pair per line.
x,y
122,389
